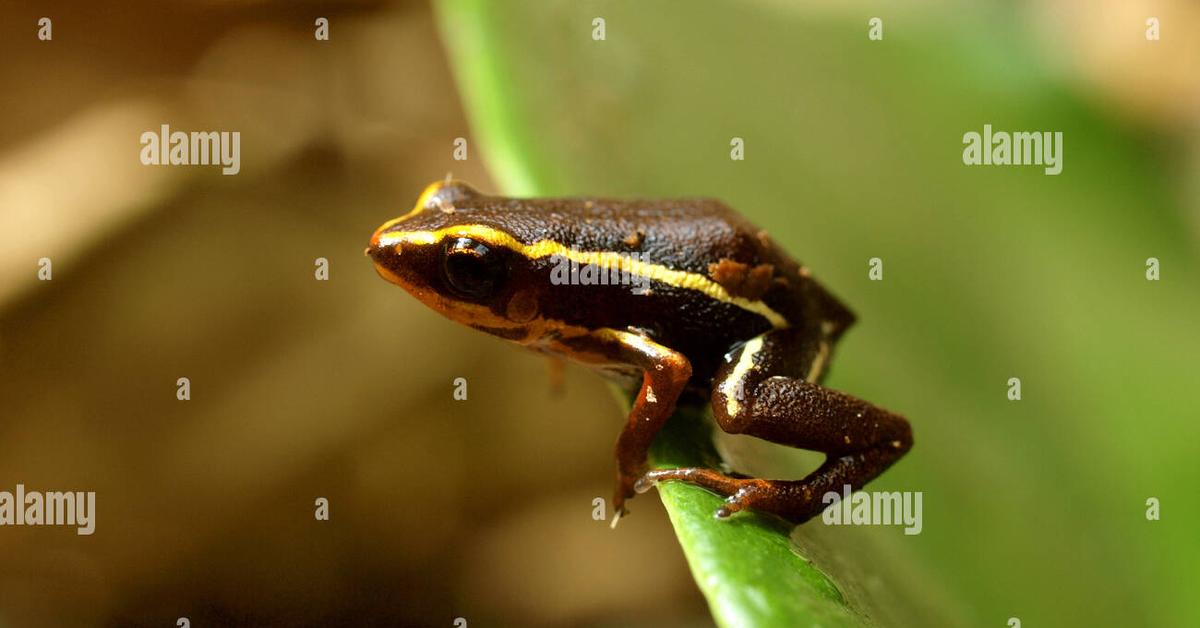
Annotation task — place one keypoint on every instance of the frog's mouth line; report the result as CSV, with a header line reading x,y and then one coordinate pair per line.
x,y
385,256
391,276
482,317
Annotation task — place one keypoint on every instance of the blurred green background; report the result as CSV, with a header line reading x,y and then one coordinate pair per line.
x,y
443,509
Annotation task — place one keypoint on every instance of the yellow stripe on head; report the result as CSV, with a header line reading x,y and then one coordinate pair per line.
x,y
605,259
422,202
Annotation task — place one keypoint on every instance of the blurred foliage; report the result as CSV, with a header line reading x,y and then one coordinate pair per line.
x,y
1033,509
300,388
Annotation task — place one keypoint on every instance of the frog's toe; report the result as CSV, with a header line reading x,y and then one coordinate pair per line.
x,y
644,483
746,497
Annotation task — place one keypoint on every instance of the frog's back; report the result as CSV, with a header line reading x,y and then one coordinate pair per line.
x,y
686,234
712,278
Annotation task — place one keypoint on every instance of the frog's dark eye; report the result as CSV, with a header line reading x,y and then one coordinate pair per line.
x,y
472,269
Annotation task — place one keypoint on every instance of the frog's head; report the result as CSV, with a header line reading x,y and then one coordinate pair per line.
x,y
454,253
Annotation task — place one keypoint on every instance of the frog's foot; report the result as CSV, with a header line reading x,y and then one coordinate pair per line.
x,y
790,499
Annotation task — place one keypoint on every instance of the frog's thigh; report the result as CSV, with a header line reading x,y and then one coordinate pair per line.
x,y
759,393
769,390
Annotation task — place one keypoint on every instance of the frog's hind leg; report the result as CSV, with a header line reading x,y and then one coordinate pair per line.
x,y
768,389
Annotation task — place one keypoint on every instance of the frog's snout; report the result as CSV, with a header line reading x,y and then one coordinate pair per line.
x,y
387,263
386,254
381,249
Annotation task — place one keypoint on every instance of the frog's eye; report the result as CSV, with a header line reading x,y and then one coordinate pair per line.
x,y
472,269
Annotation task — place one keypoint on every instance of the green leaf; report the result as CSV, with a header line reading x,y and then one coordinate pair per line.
x,y
747,566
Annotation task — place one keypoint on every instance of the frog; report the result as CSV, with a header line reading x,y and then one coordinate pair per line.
x,y
689,304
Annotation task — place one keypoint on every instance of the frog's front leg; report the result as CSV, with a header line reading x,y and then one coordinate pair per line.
x,y
768,389
665,373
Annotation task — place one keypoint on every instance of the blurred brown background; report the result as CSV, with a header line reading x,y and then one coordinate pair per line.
x,y
300,388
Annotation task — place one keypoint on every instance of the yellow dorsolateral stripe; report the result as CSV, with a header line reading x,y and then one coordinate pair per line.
x,y
602,259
